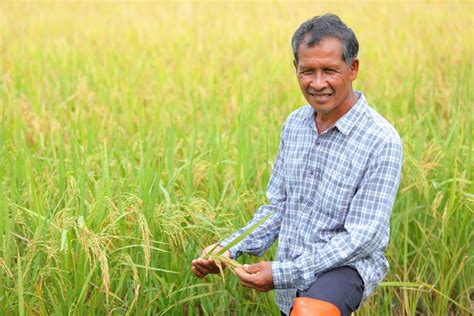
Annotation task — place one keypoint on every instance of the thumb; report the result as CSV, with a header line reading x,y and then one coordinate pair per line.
x,y
251,268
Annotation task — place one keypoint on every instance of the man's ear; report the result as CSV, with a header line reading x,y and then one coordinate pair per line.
x,y
354,69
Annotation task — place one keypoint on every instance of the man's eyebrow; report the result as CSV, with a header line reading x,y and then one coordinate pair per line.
x,y
334,66
303,66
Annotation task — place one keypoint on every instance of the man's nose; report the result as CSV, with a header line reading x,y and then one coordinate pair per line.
x,y
318,82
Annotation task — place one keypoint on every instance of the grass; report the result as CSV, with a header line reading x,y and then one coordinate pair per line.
x,y
134,134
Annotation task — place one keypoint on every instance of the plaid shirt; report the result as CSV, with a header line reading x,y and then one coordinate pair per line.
x,y
331,195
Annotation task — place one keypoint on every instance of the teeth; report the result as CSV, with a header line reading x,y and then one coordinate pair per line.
x,y
319,94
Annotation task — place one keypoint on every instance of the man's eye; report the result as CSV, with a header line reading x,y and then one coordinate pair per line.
x,y
329,71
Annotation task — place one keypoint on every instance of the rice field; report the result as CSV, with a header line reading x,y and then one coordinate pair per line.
x,y
133,134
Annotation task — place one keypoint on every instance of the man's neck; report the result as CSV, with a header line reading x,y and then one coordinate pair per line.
x,y
325,121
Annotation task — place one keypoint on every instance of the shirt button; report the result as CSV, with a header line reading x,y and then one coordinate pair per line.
x,y
318,142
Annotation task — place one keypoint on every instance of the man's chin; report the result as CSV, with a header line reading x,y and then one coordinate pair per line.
x,y
323,108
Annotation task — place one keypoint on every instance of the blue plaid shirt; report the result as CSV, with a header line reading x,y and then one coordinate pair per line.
x,y
331,195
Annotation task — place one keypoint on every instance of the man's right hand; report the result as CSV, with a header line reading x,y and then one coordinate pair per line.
x,y
201,267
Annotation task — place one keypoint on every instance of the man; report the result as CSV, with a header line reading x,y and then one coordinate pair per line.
x,y
332,187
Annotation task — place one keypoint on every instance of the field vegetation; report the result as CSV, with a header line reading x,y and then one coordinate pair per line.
x,y
133,134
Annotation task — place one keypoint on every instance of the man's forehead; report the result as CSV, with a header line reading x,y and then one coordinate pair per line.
x,y
327,46
310,41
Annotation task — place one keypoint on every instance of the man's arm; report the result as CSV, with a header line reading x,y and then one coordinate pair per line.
x,y
366,225
259,240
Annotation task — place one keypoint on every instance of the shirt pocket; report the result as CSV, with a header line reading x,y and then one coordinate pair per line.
x,y
336,193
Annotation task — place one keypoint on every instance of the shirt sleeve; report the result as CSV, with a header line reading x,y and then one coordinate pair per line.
x,y
262,238
366,229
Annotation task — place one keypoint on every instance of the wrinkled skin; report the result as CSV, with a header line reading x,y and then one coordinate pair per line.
x,y
257,276
325,80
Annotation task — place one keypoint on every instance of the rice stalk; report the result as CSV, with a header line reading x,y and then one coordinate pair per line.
x,y
95,249
136,280
146,234
224,261
3,264
19,286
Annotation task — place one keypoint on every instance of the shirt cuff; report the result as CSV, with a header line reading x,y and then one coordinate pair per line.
x,y
282,272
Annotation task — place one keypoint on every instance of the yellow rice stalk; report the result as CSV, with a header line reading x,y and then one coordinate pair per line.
x,y
224,261
171,218
94,248
3,264
436,203
145,231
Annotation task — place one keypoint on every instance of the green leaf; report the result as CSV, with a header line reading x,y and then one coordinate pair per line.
x,y
21,301
240,237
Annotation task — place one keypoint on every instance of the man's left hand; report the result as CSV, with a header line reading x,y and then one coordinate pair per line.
x,y
256,276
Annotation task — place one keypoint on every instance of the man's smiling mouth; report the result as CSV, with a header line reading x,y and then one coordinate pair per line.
x,y
321,96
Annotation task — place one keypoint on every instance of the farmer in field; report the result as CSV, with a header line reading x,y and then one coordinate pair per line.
x,y
332,188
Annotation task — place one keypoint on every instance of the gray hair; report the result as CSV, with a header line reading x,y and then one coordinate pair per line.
x,y
328,25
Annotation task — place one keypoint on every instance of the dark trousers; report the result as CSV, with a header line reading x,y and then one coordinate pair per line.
x,y
342,287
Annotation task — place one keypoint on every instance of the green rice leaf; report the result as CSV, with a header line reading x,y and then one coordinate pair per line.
x,y
240,237
21,300
155,269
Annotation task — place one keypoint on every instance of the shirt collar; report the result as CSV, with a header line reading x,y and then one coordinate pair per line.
x,y
348,120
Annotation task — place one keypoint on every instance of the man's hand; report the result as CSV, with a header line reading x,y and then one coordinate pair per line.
x,y
256,276
202,267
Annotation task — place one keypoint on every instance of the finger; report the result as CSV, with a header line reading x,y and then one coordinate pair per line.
x,y
203,267
207,266
262,289
198,273
208,263
243,275
251,268
203,262
247,284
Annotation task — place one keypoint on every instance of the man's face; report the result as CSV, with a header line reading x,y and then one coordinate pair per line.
x,y
324,78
